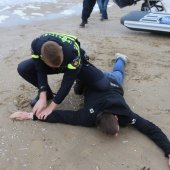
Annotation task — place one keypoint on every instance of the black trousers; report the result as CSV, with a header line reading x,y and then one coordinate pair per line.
x,y
87,9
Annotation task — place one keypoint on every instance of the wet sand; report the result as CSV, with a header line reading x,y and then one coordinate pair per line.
x,y
43,146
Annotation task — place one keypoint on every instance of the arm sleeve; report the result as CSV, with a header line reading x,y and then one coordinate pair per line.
x,y
81,117
152,131
66,84
41,75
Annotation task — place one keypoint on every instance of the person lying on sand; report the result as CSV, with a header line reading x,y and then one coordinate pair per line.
x,y
106,110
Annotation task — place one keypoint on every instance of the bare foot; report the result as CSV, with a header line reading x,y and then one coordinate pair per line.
x,y
21,115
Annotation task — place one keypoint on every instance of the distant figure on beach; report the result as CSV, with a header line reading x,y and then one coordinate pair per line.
x,y
105,109
54,53
88,6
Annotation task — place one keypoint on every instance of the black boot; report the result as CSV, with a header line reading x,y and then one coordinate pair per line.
x,y
83,24
104,18
34,101
79,87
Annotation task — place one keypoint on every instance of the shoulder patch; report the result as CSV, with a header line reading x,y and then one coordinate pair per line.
x,y
76,62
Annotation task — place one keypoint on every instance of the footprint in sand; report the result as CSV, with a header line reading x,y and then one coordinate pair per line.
x,y
21,102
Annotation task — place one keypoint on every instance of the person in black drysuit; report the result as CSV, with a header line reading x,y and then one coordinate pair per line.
x,y
111,100
74,66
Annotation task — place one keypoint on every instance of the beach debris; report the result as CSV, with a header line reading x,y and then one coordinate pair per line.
x,y
125,141
93,144
53,160
43,129
23,149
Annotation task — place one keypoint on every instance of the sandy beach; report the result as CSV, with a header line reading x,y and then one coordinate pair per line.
x,y
35,145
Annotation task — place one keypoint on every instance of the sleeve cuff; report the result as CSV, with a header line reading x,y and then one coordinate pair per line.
x,y
35,117
167,155
56,101
42,88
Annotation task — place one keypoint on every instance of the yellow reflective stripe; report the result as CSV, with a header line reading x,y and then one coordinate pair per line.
x,y
78,48
75,43
35,56
67,35
70,66
73,38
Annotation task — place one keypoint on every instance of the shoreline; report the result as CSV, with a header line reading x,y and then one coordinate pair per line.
x,y
30,13
21,18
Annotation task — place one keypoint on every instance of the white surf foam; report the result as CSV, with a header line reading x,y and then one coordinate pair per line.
x,y
3,18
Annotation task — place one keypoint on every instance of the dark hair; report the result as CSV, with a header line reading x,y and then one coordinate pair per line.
x,y
107,122
52,53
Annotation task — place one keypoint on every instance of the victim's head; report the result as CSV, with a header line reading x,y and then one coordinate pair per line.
x,y
52,54
107,123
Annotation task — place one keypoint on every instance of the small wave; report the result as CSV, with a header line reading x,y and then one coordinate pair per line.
x,y
3,18
20,2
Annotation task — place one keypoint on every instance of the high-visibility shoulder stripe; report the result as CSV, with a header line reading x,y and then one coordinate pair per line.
x,y
75,43
70,36
77,48
62,34
35,56
71,67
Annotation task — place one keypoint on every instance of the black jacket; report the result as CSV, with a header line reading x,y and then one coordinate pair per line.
x,y
71,50
111,99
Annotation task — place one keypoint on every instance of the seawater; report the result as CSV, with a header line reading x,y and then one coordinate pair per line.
x,y
16,12
19,2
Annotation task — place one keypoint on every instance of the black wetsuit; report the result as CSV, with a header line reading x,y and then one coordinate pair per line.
x,y
74,66
112,100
